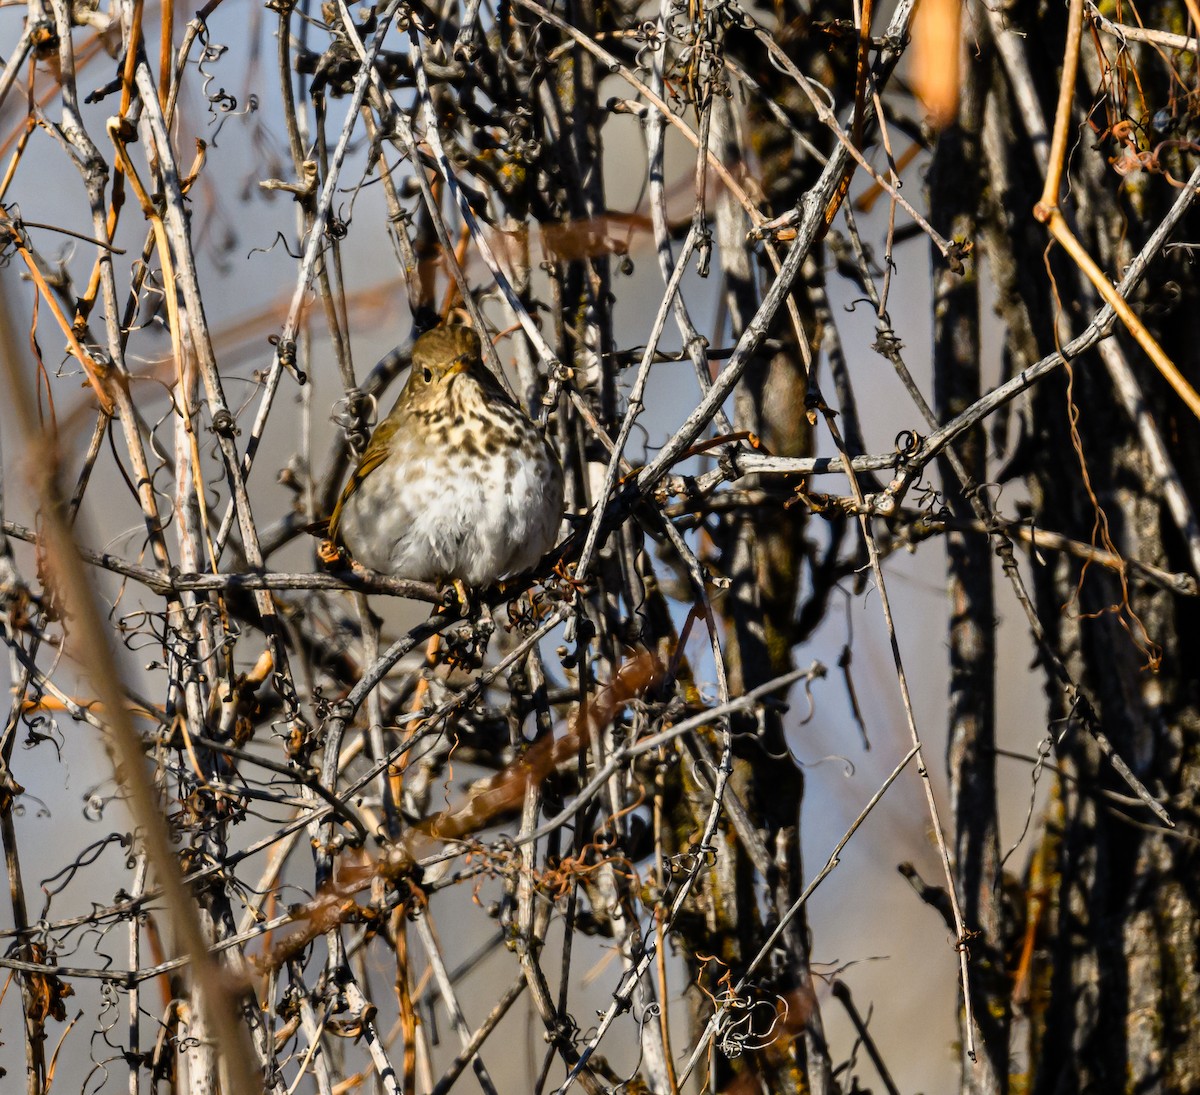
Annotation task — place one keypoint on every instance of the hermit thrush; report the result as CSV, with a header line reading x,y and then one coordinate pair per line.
x,y
456,483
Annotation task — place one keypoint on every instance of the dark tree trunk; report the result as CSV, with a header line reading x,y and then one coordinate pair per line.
x,y
1108,981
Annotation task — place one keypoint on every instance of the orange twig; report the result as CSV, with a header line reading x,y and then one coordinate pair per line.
x,y
1048,213
95,373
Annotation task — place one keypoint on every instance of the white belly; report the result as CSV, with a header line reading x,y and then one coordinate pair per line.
x,y
496,518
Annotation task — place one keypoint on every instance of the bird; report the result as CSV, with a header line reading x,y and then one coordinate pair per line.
x,y
457,483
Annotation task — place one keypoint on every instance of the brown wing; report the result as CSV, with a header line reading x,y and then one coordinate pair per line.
x,y
376,453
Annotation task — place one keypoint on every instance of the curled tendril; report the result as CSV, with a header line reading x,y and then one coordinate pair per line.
x,y
210,54
693,859
141,629
94,803
355,414
225,102
652,39
735,1033
908,443
651,34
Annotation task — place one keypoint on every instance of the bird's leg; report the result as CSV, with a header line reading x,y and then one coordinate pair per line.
x,y
464,596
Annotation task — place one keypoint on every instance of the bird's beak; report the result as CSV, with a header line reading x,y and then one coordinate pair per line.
x,y
458,365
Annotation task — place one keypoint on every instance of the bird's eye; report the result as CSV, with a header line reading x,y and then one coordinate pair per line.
x,y
428,374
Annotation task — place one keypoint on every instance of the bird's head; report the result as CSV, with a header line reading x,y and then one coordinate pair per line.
x,y
444,352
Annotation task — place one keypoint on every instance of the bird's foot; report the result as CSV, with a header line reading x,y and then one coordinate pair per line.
x,y
331,556
456,595
466,643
